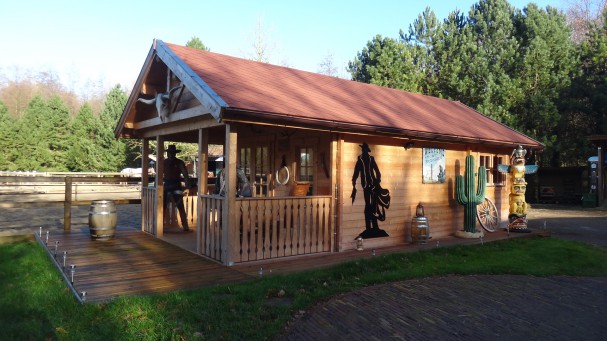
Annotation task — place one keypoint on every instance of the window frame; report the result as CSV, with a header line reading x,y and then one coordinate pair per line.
x,y
494,177
308,168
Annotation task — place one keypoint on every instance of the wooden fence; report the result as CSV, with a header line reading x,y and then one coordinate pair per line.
x,y
64,186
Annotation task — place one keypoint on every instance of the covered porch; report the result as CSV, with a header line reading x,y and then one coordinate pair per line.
x,y
289,209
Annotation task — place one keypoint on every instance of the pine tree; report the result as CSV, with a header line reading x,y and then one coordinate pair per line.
x,y
386,62
84,154
114,151
546,61
7,136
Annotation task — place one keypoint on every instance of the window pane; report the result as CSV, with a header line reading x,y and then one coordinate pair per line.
x,y
306,164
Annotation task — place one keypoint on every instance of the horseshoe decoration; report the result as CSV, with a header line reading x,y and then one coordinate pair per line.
x,y
283,165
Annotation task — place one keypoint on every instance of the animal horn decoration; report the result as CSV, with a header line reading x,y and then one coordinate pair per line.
x,y
163,102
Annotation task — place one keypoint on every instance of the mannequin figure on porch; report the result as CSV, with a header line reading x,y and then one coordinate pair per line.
x,y
174,168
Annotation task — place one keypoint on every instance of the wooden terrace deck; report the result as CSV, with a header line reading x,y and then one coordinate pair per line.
x,y
133,263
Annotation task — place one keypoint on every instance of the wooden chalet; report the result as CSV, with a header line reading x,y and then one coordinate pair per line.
x,y
298,136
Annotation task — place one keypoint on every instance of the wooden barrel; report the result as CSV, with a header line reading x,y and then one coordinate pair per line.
x,y
420,230
102,219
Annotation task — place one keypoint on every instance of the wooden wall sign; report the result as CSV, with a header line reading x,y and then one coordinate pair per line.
x,y
433,165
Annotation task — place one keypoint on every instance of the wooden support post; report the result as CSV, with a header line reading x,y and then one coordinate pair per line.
x,y
203,178
230,226
145,150
67,205
337,147
203,161
145,162
159,187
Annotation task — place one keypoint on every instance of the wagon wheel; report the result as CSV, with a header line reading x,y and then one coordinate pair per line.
x,y
487,215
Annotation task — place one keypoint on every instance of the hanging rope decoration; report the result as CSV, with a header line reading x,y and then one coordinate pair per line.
x,y
283,165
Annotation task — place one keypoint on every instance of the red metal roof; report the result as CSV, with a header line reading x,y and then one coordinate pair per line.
x,y
295,94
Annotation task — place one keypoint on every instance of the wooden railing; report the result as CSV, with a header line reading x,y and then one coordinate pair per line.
x,y
64,189
171,214
148,210
282,227
210,226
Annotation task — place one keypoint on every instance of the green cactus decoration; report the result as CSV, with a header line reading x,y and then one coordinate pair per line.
x,y
464,191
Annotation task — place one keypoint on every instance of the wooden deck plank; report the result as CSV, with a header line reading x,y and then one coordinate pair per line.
x,y
133,263
136,263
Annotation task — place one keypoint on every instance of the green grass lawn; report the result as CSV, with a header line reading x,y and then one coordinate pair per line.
x,y
35,304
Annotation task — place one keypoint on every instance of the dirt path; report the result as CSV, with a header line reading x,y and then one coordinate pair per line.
x,y
588,225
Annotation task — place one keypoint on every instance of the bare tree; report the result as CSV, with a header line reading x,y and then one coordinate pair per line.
x,y
582,14
327,66
262,48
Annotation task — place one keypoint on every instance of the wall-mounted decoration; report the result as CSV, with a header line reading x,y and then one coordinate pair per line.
x,y
165,102
433,166
377,199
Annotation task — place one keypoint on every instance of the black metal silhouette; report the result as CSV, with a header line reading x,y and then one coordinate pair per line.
x,y
377,199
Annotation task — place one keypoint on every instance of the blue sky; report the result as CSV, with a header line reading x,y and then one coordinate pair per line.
x,y
107,41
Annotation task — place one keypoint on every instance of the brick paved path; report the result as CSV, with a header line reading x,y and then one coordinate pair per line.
x,y
463,308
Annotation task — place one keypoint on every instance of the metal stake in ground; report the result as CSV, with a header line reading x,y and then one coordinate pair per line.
x,y
72,271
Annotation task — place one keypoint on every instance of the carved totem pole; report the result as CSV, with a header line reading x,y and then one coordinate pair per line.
x,y
517,218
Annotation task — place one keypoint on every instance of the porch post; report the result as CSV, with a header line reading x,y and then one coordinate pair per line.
x,y
337,147
203,175
229,216
145,151
159,186
203,161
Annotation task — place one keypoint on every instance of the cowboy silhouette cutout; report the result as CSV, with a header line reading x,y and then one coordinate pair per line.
x,y
377,199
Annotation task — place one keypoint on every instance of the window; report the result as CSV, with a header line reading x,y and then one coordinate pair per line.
x,y
306,166
494,177
255,161
244,161
262,168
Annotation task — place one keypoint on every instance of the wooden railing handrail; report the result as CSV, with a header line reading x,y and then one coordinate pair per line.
x,y
69,180
78,179
285,197
59,203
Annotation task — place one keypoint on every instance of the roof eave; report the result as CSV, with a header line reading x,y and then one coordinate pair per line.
x,y
248,116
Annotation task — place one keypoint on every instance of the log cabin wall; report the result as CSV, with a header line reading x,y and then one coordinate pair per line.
x,y
401,173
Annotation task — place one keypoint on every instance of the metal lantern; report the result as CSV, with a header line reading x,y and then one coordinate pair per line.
x,y
359,243
419,211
